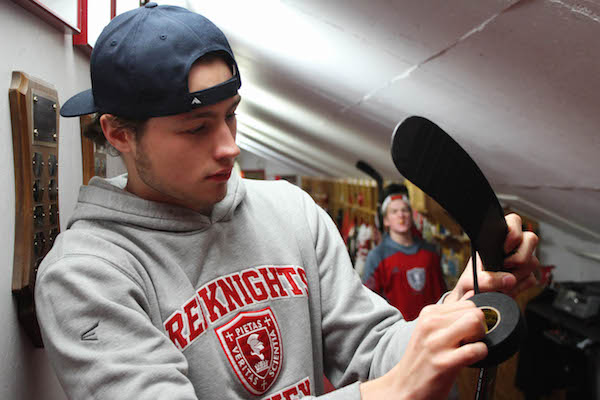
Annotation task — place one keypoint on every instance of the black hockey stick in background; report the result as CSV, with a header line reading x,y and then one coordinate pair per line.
x,y
369,170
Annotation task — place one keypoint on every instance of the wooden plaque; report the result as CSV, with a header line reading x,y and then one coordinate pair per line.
x,y
93,157
34,111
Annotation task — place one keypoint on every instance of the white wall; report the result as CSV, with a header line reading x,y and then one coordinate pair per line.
x,y
557,248
36,48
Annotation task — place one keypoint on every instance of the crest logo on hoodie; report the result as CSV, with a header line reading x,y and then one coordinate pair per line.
x,y
252,343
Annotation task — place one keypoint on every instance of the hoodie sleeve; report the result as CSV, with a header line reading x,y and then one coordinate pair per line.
x,y
99,338
363,336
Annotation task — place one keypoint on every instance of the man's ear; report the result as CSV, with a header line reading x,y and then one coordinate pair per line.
x,y
119,137
386,222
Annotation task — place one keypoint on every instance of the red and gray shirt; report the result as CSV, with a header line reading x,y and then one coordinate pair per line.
x,y
409,277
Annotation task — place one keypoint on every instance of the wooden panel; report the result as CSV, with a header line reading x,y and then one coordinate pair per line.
x,y
87,150
34,113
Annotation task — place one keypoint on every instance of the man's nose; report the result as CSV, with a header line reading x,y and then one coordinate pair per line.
x,y
226,146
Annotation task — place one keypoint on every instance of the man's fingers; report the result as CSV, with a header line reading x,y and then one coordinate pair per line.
x,y
524,284
524,251
468,294
514,235
464,326
496,281
467,354
470,327
462,336
444,309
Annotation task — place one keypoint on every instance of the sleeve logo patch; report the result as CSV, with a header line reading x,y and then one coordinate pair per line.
x,y
252,343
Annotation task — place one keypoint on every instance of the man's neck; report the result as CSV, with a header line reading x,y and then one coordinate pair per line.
x,y
148,193
402,238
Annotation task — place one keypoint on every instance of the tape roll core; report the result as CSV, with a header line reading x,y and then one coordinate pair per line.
x,y
506,327
492,318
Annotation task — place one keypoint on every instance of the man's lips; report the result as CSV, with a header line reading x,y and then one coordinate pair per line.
x,y
220,176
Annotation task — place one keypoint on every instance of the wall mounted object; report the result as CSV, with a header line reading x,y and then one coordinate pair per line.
x,y
93,157
34,111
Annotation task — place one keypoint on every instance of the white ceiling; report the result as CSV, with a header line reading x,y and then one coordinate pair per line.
x,y
516,83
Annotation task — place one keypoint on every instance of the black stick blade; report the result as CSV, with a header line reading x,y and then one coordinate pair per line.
x,y
428,157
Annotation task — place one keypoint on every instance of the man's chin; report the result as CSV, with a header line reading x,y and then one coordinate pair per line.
x,y
219,195
403,230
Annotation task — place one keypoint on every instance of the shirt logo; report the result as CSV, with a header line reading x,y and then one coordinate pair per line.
x,y
196,101
416,278
252,343
90,334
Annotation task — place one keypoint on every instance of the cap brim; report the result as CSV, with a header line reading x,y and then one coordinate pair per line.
x,y
80,104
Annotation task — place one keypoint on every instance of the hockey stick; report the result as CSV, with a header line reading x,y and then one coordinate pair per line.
x,y
369,170
428,157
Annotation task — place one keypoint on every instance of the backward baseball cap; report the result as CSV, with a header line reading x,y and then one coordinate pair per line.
x,y
141,61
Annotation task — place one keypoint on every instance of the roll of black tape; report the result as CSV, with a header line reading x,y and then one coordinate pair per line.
x,y
506,327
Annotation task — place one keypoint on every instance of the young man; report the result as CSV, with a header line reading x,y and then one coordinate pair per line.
x,y
402,268
180,280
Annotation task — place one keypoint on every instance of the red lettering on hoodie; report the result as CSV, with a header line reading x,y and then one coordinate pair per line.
x,y
304,387
287,395
240,285
193,313
231,295
209,297
174,327
291,392
255,284
272,280
228,293
288,272
302,274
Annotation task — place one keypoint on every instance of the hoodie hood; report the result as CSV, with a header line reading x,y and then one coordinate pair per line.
x,y
106,200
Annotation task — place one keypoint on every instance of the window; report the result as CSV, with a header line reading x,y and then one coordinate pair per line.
x,y
62,14
84,18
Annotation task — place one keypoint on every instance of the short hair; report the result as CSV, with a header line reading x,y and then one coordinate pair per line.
x,y
93,130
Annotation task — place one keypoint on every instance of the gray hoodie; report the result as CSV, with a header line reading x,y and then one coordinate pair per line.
x,y
144,300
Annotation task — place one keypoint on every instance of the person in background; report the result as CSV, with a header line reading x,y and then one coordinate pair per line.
x,y
181,280
403,268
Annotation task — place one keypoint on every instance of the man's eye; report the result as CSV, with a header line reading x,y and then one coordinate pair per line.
x,y
231,116
197,129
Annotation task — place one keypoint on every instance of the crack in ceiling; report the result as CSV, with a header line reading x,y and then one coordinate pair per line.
x,y
577,9
408,72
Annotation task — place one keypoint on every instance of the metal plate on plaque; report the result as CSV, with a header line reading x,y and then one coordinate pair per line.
x,y
37,164
52,164
44,120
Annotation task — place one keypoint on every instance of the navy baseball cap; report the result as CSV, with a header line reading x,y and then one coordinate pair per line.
x,y
141,61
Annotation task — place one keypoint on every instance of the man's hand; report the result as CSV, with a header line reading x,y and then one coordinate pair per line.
x,y
445,340
446,337
521,264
